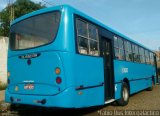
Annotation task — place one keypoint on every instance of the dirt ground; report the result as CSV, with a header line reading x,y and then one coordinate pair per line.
x,y
2,95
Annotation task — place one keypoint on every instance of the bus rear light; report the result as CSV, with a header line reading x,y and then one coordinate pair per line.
x,y
58,80
57,71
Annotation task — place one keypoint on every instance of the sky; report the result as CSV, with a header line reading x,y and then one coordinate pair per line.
x,y
137,19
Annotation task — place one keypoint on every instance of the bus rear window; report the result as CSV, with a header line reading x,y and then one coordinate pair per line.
x,y
34,31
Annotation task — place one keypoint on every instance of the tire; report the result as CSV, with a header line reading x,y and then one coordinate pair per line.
x,y
123,101
150,88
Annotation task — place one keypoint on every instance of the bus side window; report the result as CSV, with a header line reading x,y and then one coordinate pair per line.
x,y
93,40
87,38
151,58
137,53
147,56
119,48
134,53
116,51
128,51
82,35
142,57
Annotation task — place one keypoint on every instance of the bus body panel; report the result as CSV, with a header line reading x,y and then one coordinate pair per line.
x,y
139,85
138,76
89,71
77,74
118,90
40,73
62,100
69,98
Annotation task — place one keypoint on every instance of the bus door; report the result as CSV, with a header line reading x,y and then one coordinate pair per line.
x,y
106,52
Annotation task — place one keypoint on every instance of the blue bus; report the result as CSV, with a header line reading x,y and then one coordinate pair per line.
x,y
60,57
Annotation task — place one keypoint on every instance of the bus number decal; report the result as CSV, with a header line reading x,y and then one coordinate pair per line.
x,y
124,70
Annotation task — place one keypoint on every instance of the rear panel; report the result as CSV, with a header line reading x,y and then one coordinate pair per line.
x,y
40,72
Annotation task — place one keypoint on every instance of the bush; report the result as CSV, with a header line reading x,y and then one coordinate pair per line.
x,y
3,86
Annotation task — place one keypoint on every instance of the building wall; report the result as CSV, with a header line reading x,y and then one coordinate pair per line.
x,y
3,59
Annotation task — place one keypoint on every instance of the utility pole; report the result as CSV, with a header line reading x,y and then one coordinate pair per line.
x,y
11,10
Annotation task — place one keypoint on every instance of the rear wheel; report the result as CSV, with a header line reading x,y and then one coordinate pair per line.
x,y
124,95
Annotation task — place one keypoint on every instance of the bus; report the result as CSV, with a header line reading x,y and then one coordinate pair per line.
x,y
60,57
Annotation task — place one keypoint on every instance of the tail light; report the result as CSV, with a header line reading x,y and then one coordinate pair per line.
x,y
57,71
58,80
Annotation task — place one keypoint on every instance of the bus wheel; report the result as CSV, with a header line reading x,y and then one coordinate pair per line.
x,y
150,88
124,95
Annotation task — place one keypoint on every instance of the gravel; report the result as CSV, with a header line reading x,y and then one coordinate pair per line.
x,y
144,100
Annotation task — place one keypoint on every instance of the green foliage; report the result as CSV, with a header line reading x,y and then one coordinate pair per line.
x,y
21,7
3,86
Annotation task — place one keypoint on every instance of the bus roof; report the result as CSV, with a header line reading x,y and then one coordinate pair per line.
x,y
59,7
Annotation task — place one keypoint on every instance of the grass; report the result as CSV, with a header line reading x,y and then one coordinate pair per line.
x,y
3,86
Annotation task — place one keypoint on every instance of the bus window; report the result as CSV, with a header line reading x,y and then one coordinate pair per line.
x,y
119,48
87,38
82,28
128,51
137,53
151,58
142,57
93,37
35,31
83,45
147,56
82,38
134,52
116,51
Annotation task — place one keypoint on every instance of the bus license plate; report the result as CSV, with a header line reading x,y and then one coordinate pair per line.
x,y
29,86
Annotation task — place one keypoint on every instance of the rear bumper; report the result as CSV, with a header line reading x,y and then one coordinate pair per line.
x,y
62,100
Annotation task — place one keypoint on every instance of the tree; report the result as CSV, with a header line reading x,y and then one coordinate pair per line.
x,y
21,7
